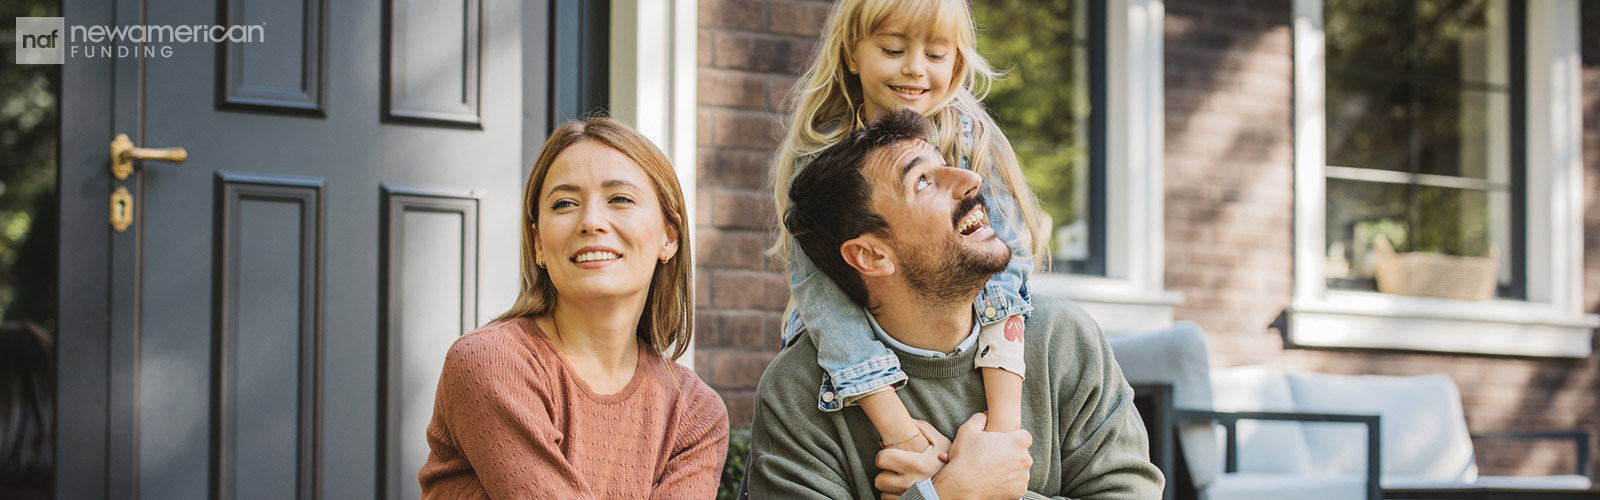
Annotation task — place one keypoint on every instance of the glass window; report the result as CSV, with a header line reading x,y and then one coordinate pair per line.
x,y
1423,129
1047,103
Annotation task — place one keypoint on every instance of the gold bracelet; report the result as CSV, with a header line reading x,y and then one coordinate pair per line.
x,y
900,442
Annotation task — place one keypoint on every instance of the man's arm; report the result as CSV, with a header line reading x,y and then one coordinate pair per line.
x,y
1106,453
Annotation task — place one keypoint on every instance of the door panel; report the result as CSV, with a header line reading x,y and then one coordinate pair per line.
x,y
429,269
277,316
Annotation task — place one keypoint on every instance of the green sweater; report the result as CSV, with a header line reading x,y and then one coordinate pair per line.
x,y
1088,440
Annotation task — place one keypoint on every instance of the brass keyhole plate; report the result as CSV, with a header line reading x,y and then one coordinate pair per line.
x,y
121,209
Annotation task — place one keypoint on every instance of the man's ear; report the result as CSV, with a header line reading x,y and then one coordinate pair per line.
x,y
870,255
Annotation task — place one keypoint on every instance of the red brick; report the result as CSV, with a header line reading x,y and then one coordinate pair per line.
x,y
746,130
780,88
759,53
705,54
702,286
735,169
741,408
731,249
749,290
739,370
704,122
704,207
737,14
745,210
731,89
804,19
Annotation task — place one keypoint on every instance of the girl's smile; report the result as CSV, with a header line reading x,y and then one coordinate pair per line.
x,y
902,69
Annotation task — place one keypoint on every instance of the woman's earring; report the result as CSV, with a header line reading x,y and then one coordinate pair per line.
x,y
539,261
665,259
852,71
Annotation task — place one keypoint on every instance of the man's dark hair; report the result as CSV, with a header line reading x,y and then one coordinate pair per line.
x,y
830,201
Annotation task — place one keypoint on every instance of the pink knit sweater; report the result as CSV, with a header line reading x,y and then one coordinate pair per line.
x,y
512,420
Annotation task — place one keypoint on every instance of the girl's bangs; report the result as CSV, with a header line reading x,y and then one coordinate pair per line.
x,y
921,17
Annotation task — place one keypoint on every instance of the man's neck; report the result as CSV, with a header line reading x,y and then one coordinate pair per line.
x,y
938,327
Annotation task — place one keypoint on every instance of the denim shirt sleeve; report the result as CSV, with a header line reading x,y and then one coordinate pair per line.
x,y
855,361
1006,293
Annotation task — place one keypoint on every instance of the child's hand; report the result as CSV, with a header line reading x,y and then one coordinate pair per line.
x,y
903,468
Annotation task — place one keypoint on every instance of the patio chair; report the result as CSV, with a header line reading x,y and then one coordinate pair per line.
x,y
1174,390
1427,451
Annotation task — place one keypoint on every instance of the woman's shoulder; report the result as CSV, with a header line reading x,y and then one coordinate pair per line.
x,y
495,345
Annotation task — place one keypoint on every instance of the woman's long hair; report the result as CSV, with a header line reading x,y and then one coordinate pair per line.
x,y
667,323
826,99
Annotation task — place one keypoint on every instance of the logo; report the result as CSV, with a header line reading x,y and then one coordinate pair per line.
x,y
40,40
48,40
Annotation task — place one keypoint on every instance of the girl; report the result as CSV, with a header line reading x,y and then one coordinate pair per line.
x,y
919,54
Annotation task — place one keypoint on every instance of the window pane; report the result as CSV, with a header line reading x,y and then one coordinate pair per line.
x,y
1044,105
1366,35
1419,132
1453,222
1461,40
1359,212
1463,133
1368,123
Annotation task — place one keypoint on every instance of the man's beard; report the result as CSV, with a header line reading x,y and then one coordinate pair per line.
x,y
949,271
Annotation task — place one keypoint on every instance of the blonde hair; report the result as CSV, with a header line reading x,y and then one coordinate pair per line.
x,y
826,99
667,322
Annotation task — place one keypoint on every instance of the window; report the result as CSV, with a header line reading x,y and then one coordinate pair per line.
x,y
1420,134
1084,93
1051,108
1448,126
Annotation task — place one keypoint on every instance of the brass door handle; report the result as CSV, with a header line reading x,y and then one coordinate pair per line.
x,y
123,153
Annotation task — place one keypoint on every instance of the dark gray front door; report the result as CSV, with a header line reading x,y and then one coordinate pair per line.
x,y
272,323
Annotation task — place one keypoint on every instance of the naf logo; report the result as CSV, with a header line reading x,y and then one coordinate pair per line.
x,y
39,40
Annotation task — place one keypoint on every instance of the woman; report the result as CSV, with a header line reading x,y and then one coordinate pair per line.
x,y
573,392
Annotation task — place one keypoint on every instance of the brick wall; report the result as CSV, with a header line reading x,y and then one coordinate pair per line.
x,y
1229,180
750,53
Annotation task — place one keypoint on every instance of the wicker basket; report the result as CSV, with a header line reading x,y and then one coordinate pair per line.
x,y
1436,275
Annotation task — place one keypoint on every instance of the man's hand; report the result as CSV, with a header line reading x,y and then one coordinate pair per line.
x,y
985,465
901,468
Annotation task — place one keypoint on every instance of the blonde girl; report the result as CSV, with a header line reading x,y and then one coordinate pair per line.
x,y
919,54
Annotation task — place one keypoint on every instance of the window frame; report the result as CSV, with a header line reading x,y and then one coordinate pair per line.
x,y
1549,321
651,86
1131,295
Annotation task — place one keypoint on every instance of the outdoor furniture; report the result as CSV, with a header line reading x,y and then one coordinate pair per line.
x,y
1170,372
1426,451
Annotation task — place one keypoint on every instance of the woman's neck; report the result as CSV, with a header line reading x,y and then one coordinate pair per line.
x,y
600,342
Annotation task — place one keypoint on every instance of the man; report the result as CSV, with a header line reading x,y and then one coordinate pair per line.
x,y
906,237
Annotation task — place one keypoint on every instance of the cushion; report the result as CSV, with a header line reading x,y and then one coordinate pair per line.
x,y
1176,355
1561,482
1272,447
1423,431
1254,486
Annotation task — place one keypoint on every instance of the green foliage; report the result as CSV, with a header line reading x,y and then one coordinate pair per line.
x,y
733,469
29,130
1042,102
